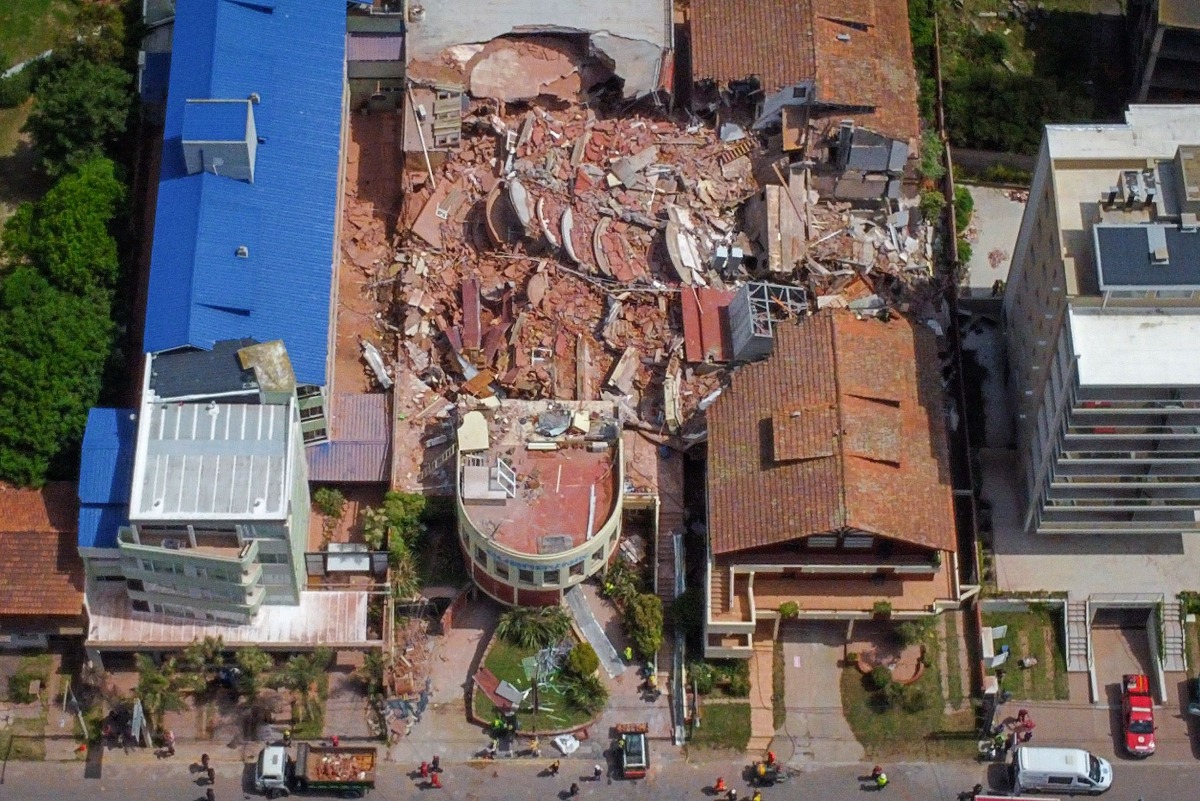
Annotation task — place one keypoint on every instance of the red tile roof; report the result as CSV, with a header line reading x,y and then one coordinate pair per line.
x,y
841,428
40,569
784,42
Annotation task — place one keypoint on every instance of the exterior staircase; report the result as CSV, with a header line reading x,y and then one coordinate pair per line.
x,y
1172,634
1077,636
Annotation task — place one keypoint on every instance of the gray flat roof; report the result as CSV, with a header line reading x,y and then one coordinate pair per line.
x,y
212,461
1123,257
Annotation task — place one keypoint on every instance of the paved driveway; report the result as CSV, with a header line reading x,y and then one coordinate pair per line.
x,y
815,730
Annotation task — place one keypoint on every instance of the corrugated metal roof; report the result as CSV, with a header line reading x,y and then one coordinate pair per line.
x,y
348,462
363,46
105,476
207,121
200,291
359,449
106,465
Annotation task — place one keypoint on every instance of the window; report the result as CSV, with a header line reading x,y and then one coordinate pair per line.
x,y
577,569
316,435
312,412
550,576
480,555
822,541
501,571
1067,780
598,554
525,576
272,558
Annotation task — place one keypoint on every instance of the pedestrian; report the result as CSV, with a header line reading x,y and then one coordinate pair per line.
x,y
757,796
597,772
881,780
1022,715
628,654
535,748
424,769
210,795
334,740
204,762
435,782
719,785
554,766
436,765
170,742
732,794
287,737
574,791
770,758
212,776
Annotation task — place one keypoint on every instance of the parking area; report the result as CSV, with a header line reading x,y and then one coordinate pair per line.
x,y
1120,645
815,729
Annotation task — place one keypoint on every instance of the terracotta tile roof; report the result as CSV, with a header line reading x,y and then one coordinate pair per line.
x,y
783,42
771,479
54,507
40,574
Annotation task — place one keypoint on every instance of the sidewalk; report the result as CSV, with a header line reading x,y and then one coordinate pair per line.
x,y
1098,729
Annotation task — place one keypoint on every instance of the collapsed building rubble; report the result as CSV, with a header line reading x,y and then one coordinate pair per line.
x,y
565,254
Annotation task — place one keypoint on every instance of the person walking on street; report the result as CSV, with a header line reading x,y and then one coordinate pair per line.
x,y
879,777
554,768
170,743
287,737
210,795
757,796
719,785
574,791
204,762
436,765
732,794
435,782
597,772
212,776
424,770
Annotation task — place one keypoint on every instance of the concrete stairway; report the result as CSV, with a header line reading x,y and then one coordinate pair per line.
x,y
1077,636
1172,634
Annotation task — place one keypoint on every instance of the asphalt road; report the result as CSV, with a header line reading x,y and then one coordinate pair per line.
x,y
134,779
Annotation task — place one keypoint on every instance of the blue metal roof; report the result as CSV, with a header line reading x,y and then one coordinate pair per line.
x,y
105,475
155,76
290,53
214,122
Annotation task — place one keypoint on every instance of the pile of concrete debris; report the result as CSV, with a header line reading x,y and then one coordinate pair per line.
x,y
547,257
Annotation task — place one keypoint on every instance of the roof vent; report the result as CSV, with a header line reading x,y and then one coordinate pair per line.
x,y
242,252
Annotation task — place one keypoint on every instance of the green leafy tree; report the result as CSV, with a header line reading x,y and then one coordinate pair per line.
x,y
644,623
585,693
534,626
53,347
582,661
406,579
964,207
98,34
81,110
69,237
204,657
395,524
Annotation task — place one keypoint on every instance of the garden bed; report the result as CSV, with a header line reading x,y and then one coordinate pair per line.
x,y
555,715
1038,634
723,725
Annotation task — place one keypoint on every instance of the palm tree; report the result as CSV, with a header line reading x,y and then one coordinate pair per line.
x,y
534,627
160,689
301,674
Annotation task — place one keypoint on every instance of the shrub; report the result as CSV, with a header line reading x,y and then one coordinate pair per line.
x,y
930,165
644,623
964,251
891,695
582,661
16,89
881,677
964,206
585,693
621,582
739,679
882,608
330,502
703,676
913,632
932,203
789,610
913,699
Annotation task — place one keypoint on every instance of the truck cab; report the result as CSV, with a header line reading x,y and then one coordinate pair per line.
x,y
271,771
635,754
1137,715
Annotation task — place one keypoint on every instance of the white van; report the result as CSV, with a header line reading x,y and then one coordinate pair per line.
x,y
1059,770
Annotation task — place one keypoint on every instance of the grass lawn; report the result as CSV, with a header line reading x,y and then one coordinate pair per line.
x,y
778,701
954,673
504,660
29,27
893,732
23,740
725,725
1035,633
